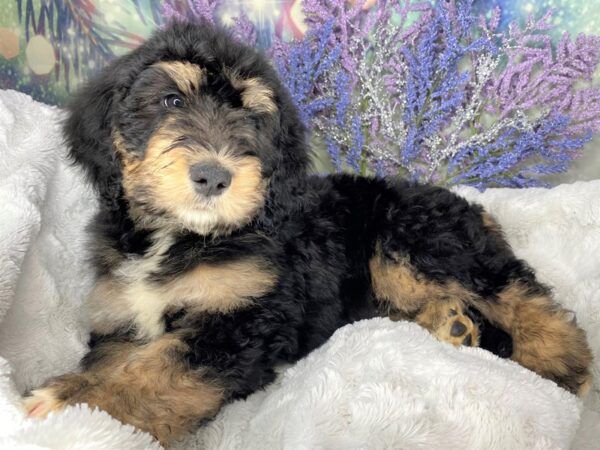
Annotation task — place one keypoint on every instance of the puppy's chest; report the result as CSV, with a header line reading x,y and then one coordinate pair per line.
x,y
135,294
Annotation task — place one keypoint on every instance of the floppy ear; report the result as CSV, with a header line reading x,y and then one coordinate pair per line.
x,y
87,130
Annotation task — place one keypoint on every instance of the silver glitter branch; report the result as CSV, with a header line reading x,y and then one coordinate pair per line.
x,y
441,147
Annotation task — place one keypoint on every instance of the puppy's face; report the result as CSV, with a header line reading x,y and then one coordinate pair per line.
x,y
193,142
191,130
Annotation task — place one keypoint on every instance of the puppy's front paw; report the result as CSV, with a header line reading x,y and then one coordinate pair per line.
x,y
56,395
41,402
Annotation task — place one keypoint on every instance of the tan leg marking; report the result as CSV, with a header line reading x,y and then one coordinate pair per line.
x,y
545,338
406,295
147,386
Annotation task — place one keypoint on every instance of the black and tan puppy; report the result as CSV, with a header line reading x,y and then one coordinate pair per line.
x,y
218,256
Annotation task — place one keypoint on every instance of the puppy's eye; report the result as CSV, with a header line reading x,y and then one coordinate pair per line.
x,y
173,101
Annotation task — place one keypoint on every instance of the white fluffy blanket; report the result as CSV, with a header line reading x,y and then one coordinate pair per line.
x,y
375,384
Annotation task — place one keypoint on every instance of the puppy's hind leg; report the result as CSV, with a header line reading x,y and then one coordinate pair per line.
x,y
546,338
149,386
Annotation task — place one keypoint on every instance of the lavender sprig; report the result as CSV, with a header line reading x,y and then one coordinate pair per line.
x,y
304,66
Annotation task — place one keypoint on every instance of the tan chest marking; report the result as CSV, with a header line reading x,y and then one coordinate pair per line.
x,y
129,297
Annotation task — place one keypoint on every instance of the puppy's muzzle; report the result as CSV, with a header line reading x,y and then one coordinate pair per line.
x,y
210,179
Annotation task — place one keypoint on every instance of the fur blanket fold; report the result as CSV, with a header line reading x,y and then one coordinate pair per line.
x,y
375,384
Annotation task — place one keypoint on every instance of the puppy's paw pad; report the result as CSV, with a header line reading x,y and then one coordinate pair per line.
x,y
458,328
448,321
41,403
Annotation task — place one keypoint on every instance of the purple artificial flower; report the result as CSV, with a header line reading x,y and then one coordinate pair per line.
x,y
354,153
195,10
536,75
190,10
518,156
302,67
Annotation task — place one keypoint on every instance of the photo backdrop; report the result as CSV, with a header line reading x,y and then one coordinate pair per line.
x,y
484,93
47,47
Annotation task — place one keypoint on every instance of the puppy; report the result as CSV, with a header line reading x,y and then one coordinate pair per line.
x,y
218,256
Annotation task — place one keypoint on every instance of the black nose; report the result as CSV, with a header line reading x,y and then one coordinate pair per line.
x,y
210,179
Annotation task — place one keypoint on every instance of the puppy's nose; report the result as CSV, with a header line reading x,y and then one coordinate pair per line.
x,y
210,179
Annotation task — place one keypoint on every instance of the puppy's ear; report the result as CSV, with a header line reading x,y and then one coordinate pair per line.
x,y
87,130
